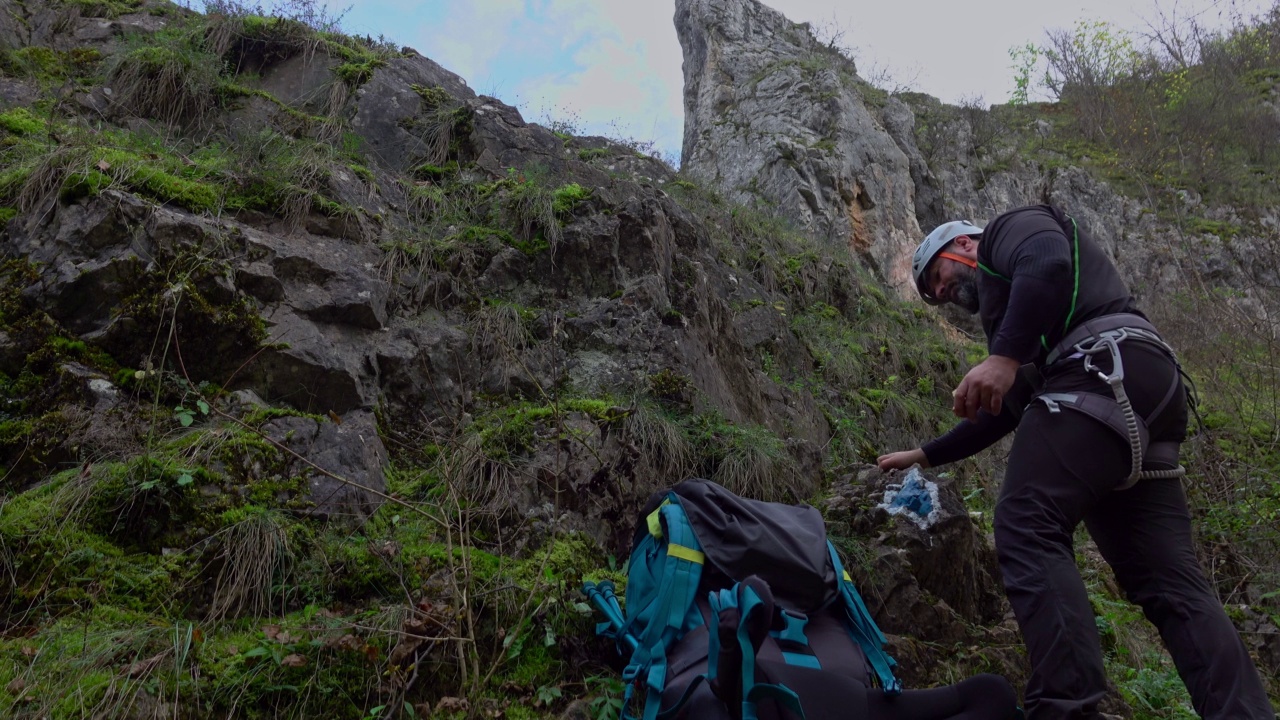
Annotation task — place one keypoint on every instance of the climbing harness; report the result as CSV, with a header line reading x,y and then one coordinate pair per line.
x,y
1104,335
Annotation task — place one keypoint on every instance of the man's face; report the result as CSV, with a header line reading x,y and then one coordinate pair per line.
x,y
954,282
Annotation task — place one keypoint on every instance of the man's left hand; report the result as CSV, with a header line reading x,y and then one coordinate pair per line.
x,y
984,387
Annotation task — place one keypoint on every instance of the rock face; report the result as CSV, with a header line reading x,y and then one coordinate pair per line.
x,y
776,119
342,462
316,315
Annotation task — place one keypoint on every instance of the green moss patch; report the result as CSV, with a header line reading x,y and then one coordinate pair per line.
x,y
47,65
21,121
510,430
358,73
566,197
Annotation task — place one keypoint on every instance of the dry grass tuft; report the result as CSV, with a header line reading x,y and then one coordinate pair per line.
x,y
665,449
256,555
50,173
757,468
483,483
171,82
500,328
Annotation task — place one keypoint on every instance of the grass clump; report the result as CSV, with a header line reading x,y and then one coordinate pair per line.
x,y
359,72
752,461
288,177
269,172
109,9
441,124
511,430
257,559
535,210
168,75
463,224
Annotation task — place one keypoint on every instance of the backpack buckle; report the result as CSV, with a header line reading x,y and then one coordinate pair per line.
x,y
794,628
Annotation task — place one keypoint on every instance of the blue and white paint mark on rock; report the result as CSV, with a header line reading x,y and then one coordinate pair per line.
x,y
915,499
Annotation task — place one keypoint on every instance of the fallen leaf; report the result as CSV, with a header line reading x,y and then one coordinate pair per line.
x,y
17,686
452,704
346,642
271,631
103,165
28,651
294,660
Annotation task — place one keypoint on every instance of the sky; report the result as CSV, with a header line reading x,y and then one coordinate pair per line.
x,y
613,67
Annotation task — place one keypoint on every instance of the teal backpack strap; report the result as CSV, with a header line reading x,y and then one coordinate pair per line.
x,y
680,556
747,602
864,629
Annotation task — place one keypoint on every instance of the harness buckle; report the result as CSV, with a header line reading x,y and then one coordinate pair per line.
x,y
1110,340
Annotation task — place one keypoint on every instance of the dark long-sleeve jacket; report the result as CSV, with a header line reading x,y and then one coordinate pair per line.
x,y
1040,274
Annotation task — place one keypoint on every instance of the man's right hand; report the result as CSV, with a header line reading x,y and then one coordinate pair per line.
x,y
902,459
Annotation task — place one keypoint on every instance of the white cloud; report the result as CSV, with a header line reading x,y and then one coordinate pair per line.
x,y
456,41
622,76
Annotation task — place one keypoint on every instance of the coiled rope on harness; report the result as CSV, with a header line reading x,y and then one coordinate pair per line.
x,y
1109,341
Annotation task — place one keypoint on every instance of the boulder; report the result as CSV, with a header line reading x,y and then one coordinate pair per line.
x,y
936,565
343,462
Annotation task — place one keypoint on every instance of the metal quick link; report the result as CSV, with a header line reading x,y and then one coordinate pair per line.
x,y
1110,341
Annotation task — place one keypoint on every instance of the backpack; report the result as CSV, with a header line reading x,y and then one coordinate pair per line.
x,y
740,609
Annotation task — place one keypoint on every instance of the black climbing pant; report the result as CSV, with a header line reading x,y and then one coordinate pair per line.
x,y
981,697
1062,471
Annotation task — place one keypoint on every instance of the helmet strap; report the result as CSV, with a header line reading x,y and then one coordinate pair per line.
x,y
960,259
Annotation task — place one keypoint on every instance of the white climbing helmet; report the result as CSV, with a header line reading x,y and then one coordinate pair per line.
x,y
931,246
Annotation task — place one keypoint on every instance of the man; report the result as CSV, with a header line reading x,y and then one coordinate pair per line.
x,y
1100,413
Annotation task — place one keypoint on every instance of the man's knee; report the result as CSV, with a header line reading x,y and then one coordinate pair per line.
x,y
1029,520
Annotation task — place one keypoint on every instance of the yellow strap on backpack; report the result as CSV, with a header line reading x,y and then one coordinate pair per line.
x,y
655,524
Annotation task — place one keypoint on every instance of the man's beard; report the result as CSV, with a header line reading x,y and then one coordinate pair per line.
x,y
966,293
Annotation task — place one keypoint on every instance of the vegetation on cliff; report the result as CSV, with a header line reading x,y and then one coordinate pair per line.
x,y
159,536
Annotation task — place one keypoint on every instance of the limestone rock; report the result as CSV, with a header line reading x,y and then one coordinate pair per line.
x,y
350,450
385,105
775,118
948,561
13,27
